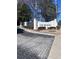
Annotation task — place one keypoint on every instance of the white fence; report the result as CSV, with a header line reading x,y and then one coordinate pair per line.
x,y
38,24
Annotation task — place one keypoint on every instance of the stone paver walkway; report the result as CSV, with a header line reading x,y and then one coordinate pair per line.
x,y
33,46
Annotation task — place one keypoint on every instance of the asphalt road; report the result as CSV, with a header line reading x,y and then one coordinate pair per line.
x,y
33,46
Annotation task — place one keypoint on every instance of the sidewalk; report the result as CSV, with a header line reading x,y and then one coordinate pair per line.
x,y
55,52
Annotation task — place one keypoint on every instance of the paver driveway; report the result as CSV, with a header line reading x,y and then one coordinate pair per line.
x,y
33,46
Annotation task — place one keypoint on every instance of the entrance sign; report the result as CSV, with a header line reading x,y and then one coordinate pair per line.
x,y
38,24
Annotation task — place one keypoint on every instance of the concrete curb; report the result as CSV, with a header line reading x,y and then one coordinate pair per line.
x,y
36,32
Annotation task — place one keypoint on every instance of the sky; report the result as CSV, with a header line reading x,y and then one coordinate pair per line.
x,y
59,10
58,4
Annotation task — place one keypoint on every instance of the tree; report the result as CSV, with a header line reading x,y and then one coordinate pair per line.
x,y
49,10
23,12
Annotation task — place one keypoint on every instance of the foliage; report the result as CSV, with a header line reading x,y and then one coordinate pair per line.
x,y
23,12
49,10
59,25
